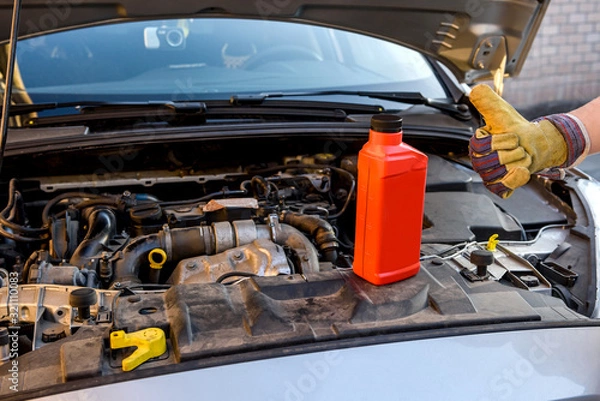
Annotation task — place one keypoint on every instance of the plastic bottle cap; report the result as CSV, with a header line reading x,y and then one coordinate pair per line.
x,y
386,123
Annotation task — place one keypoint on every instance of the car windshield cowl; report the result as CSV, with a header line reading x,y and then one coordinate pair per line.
x,y
309,100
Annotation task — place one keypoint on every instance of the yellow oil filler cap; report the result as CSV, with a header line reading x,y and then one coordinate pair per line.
x,y
157,258
150,343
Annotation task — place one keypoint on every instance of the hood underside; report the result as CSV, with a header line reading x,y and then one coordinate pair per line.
x,y
476,40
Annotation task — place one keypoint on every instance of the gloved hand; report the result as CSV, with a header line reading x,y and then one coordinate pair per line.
x,y
508,149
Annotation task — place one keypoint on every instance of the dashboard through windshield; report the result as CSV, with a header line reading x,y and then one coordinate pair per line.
x,y
178,60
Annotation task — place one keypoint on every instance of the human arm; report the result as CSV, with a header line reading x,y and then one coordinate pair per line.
x,y
589,115
508,148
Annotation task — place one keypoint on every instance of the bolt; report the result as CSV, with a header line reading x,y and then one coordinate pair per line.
x,y
437,262
480,65
117,285
238,255
191,265
305,258
488,44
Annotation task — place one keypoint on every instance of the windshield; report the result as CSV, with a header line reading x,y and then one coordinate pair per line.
x,y
199,59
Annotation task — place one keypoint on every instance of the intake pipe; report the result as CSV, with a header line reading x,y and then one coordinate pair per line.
x,y
179,243
102,226
320,230
183,243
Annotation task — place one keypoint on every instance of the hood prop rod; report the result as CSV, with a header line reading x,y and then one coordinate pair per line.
x,y
10,67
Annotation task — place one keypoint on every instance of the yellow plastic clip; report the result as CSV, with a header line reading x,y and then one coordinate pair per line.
x,y
157,258
150,343
492,242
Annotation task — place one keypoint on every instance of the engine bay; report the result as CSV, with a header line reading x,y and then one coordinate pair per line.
x,y
225,259
294,217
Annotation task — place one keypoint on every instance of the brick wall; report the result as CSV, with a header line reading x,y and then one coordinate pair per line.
x,y
563,66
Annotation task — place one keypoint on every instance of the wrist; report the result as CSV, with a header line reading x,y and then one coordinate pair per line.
x,y
574,135
586,139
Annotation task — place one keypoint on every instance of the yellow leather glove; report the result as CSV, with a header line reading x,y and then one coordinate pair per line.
x,y
508,149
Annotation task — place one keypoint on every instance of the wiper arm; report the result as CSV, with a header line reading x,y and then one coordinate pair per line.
x,y
457,109
92,106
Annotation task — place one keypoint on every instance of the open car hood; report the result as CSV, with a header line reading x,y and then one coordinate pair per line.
x,y
476,40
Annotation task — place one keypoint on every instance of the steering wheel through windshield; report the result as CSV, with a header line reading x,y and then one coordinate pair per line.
x,y
282,53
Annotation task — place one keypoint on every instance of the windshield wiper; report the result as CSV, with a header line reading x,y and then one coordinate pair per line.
x,y
181,112
456,109
92,106
106,113
178,112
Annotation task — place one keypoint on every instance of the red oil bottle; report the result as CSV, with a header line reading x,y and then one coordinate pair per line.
x,y
390,202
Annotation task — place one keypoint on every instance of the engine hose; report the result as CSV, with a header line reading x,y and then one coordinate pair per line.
x,y
54,201
5,219
260,187
102,226
320,230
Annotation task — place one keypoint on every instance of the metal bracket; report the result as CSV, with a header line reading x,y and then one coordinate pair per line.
x,y
491,55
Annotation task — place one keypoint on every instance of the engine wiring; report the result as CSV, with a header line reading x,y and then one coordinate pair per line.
x,y
465,245
338,170
534,240
516,221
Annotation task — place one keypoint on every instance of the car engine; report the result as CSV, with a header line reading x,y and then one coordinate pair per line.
x,y
230,259
276,222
